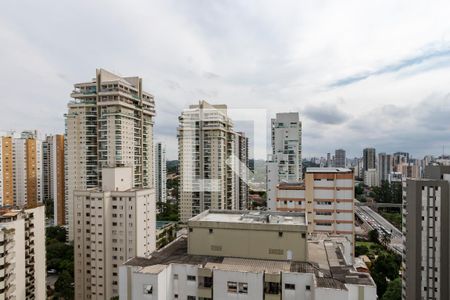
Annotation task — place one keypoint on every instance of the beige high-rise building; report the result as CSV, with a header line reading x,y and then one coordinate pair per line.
x,y
111,225
22,251
206,140
327,196
109,123
53,175
21,170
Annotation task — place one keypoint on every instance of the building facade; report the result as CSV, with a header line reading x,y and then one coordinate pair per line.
x,y
339,158
21,170
426,228
160,172
211,161
111,225
369,159
384,167
285,162
109,123
53,179
326,196
22,248
247,255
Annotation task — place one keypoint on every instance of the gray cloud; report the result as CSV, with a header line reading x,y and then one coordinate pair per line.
x,y
326,114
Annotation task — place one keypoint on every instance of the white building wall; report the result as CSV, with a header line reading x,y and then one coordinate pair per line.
x,y
254,281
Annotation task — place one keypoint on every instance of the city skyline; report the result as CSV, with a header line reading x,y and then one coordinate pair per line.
x,y
383,94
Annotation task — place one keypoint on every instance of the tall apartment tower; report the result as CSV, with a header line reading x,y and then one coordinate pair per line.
x,y
339,158
206,141
6,171
369,159
285,162
160,172
21,170
53,176
22,265
109,123
111,225
385,164
426,228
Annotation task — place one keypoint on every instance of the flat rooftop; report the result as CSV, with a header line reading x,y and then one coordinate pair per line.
x,y
328,170
326,263
254,217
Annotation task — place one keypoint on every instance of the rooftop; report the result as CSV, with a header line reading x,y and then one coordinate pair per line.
x,y
326,263
254,217
328,170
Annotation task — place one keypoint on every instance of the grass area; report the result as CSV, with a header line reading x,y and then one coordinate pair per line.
x,y
393,218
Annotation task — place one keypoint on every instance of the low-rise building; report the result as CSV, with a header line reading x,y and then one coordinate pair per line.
x,y
247,255
326,196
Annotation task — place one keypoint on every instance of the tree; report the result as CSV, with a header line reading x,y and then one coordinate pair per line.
x,y
386,239
394,290
387,265
63,286
373,236
380,281
57,233
361,250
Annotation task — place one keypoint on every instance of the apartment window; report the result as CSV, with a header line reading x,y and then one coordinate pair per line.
x,y
175,276
232,286
303,235
210,230
308,287
190,229
148,289
289,286
243,288
280,234
191,278
190,297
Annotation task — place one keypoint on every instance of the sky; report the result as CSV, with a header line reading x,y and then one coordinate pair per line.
x,y
360,73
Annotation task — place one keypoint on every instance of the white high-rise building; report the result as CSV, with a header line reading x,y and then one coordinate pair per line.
x,y
53,176
22,263
285,162
160,172
109,123
206,140
111,225
385,167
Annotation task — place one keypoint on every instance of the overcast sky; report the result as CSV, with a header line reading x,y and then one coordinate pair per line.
x,y
360,73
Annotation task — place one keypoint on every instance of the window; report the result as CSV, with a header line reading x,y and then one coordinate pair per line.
x,y
289,286
243,288
232,286
280,234
308,287
175,276
303,235
190,297
191,278
210,230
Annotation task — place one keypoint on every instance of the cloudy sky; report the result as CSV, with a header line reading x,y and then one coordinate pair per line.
x,y
360,73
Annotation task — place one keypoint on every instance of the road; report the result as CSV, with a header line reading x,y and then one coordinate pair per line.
x,y
376,221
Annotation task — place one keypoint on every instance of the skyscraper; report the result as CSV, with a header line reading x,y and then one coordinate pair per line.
x,y
160,172
206,142
426,226
369,159
53,176
109,123
384,168
285,162
339,158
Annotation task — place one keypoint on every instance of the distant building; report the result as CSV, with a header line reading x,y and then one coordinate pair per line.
x,y
247,255
206,141
326,196
371,177
369,159
285,162
426,226
385,167
21,170
53,180
22,263
111,225
339,158
160,172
